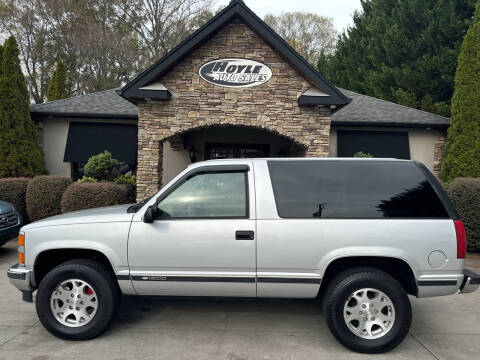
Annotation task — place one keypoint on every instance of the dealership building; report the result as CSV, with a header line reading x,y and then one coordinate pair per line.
x,y
234,88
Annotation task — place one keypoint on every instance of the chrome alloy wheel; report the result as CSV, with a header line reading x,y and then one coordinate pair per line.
x,y
74,303
369,313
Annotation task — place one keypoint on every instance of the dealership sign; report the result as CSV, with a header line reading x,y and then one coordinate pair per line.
x,y
235,72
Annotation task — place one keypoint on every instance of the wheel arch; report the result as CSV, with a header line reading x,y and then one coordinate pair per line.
x,y
50,258
396,267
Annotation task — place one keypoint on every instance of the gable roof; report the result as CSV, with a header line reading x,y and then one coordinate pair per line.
x,y
236,9
102,104
361,111
367,110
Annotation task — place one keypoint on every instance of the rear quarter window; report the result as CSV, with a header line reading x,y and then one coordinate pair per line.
x,y
353,189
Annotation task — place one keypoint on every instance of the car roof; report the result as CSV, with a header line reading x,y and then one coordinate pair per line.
x,y
240,160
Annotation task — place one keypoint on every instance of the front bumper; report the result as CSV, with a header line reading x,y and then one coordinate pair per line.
x,y
20,277
471,282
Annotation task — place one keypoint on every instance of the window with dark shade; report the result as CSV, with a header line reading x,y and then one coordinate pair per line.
x,y
379,144
353,189
87,139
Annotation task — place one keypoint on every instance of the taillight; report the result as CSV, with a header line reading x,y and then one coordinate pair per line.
x,y
21,248
461,239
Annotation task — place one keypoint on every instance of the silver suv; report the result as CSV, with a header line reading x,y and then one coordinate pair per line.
x,y
362,234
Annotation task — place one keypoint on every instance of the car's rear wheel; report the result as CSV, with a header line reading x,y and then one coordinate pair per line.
x,y
367,310
77,299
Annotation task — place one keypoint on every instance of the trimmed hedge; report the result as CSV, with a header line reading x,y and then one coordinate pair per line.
x,y
465,195
80,196
13,190
44,196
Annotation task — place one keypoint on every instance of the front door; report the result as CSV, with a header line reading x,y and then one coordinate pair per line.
x,y
202,240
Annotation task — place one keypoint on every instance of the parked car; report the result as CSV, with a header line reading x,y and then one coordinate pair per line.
x,y
361,233
10,222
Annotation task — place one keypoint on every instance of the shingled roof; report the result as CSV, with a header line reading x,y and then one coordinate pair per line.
x,y
102,104
367,110
362,111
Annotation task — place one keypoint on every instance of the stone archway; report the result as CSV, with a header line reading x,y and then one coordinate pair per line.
x,y
310,135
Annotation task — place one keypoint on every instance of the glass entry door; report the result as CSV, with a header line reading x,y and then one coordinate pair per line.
x,y
228,151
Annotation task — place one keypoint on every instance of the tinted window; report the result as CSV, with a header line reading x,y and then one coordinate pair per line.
x,y
207,195
353,189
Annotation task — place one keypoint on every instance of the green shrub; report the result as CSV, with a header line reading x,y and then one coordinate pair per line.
x,y
131,183
126,180
92,195
361,154
44,196
13,190
103,167
465,195
86,179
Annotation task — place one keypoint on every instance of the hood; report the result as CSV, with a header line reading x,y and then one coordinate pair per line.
x,y
5,207
110,214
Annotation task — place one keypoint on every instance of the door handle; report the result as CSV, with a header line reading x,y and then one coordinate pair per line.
x,y
244,235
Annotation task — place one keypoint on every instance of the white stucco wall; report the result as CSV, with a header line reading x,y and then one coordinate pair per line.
x,y
173,162
421,141
55,133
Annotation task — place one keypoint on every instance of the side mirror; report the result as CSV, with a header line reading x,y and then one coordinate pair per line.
x,y
150,214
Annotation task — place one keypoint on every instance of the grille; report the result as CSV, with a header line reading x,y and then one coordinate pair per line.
x,y
8,219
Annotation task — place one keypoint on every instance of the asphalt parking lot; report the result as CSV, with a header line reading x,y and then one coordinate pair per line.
x,y
443,328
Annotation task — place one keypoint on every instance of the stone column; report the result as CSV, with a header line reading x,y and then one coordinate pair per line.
x,y
316,132
149,169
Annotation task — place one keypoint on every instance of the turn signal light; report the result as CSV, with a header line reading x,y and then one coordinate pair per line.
x,y
21,239
461,239
21,248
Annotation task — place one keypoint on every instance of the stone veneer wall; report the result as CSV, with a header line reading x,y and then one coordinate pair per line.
x,y
197,104
438,151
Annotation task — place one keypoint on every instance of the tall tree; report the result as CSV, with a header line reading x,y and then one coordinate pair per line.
x,y
462,158
57,88
310,34
27,21
19,152
104,43
162,24
403,51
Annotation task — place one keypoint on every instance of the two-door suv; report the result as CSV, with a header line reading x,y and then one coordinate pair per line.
x,y
361,233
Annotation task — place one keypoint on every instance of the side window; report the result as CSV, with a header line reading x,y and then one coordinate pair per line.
x,y
353,189
207,195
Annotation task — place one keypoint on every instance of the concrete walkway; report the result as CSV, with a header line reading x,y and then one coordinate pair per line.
x,y
443,328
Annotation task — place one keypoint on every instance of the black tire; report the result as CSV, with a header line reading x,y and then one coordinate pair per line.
x,y
347,282
105,286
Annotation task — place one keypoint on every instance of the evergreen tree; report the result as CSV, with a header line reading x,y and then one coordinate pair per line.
x,y
403,51
57,88
462,158
19,153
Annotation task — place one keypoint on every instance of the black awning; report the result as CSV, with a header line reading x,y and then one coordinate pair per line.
x,y
87,139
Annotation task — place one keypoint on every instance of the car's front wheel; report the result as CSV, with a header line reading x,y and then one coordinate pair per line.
x,y
367,310
77,299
